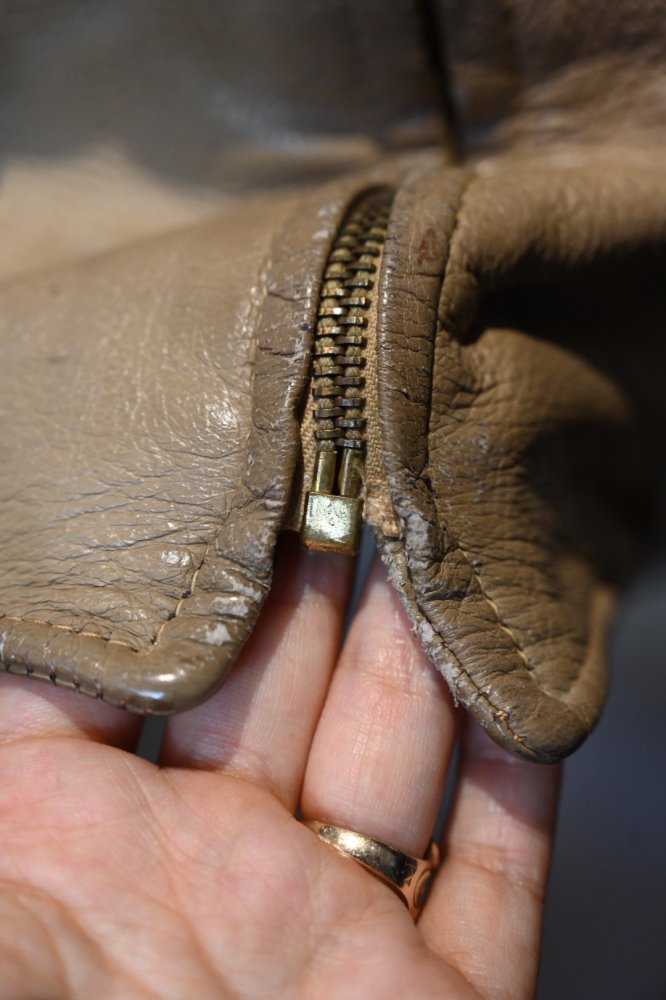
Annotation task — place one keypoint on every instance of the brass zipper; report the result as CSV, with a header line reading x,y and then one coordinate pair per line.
x,y
334,502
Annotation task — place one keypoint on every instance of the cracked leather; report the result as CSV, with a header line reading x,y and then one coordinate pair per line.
x,y
156,351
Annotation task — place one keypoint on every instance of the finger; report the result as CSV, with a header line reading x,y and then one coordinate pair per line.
x,y
383,742
32,708
260,725
485,909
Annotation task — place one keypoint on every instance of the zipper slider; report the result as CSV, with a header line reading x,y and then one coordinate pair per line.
x,y
332,521
337,421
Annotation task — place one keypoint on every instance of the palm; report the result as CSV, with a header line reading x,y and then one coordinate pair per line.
x,y
122,879
189,884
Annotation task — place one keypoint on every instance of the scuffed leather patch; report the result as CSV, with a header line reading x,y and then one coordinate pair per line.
x,y
489,424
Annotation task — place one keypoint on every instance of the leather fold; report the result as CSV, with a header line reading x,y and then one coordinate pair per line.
x,y
518,436
153,395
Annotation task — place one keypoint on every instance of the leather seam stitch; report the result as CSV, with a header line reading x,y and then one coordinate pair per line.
x,y
493,604
71,630
67,628
117,642
189,590
498,713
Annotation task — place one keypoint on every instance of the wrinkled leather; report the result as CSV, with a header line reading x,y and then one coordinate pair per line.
x,y
130,409
151,394
519,437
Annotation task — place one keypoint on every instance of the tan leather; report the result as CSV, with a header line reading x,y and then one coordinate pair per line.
x,y
151,394
528,75
122,120
519,434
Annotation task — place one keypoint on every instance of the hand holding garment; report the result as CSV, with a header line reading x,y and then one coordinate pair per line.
x,y
157,397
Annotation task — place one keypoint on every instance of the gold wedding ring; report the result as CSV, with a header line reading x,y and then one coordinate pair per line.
x,y
408,877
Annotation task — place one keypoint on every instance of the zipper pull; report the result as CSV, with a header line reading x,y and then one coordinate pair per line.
x,y
332,521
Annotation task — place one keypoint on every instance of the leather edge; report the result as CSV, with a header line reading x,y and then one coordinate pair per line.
x,y
528,721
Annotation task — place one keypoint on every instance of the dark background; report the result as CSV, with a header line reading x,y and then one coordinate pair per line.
x,y
605,929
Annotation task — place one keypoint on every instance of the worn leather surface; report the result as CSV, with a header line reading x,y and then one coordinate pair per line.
x,y
166,230
151,399
520,435
126,384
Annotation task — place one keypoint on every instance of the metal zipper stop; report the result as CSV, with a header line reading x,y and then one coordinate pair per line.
x,y
332,521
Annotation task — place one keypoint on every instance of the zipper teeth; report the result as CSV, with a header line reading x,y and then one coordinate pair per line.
x,y
347,293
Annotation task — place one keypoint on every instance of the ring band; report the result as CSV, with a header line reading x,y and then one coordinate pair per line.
x,y
408,877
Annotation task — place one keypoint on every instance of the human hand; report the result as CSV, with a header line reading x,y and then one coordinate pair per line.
x,y
121,879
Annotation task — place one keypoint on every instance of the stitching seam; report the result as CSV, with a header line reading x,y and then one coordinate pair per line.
x,y
257,304
499,714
